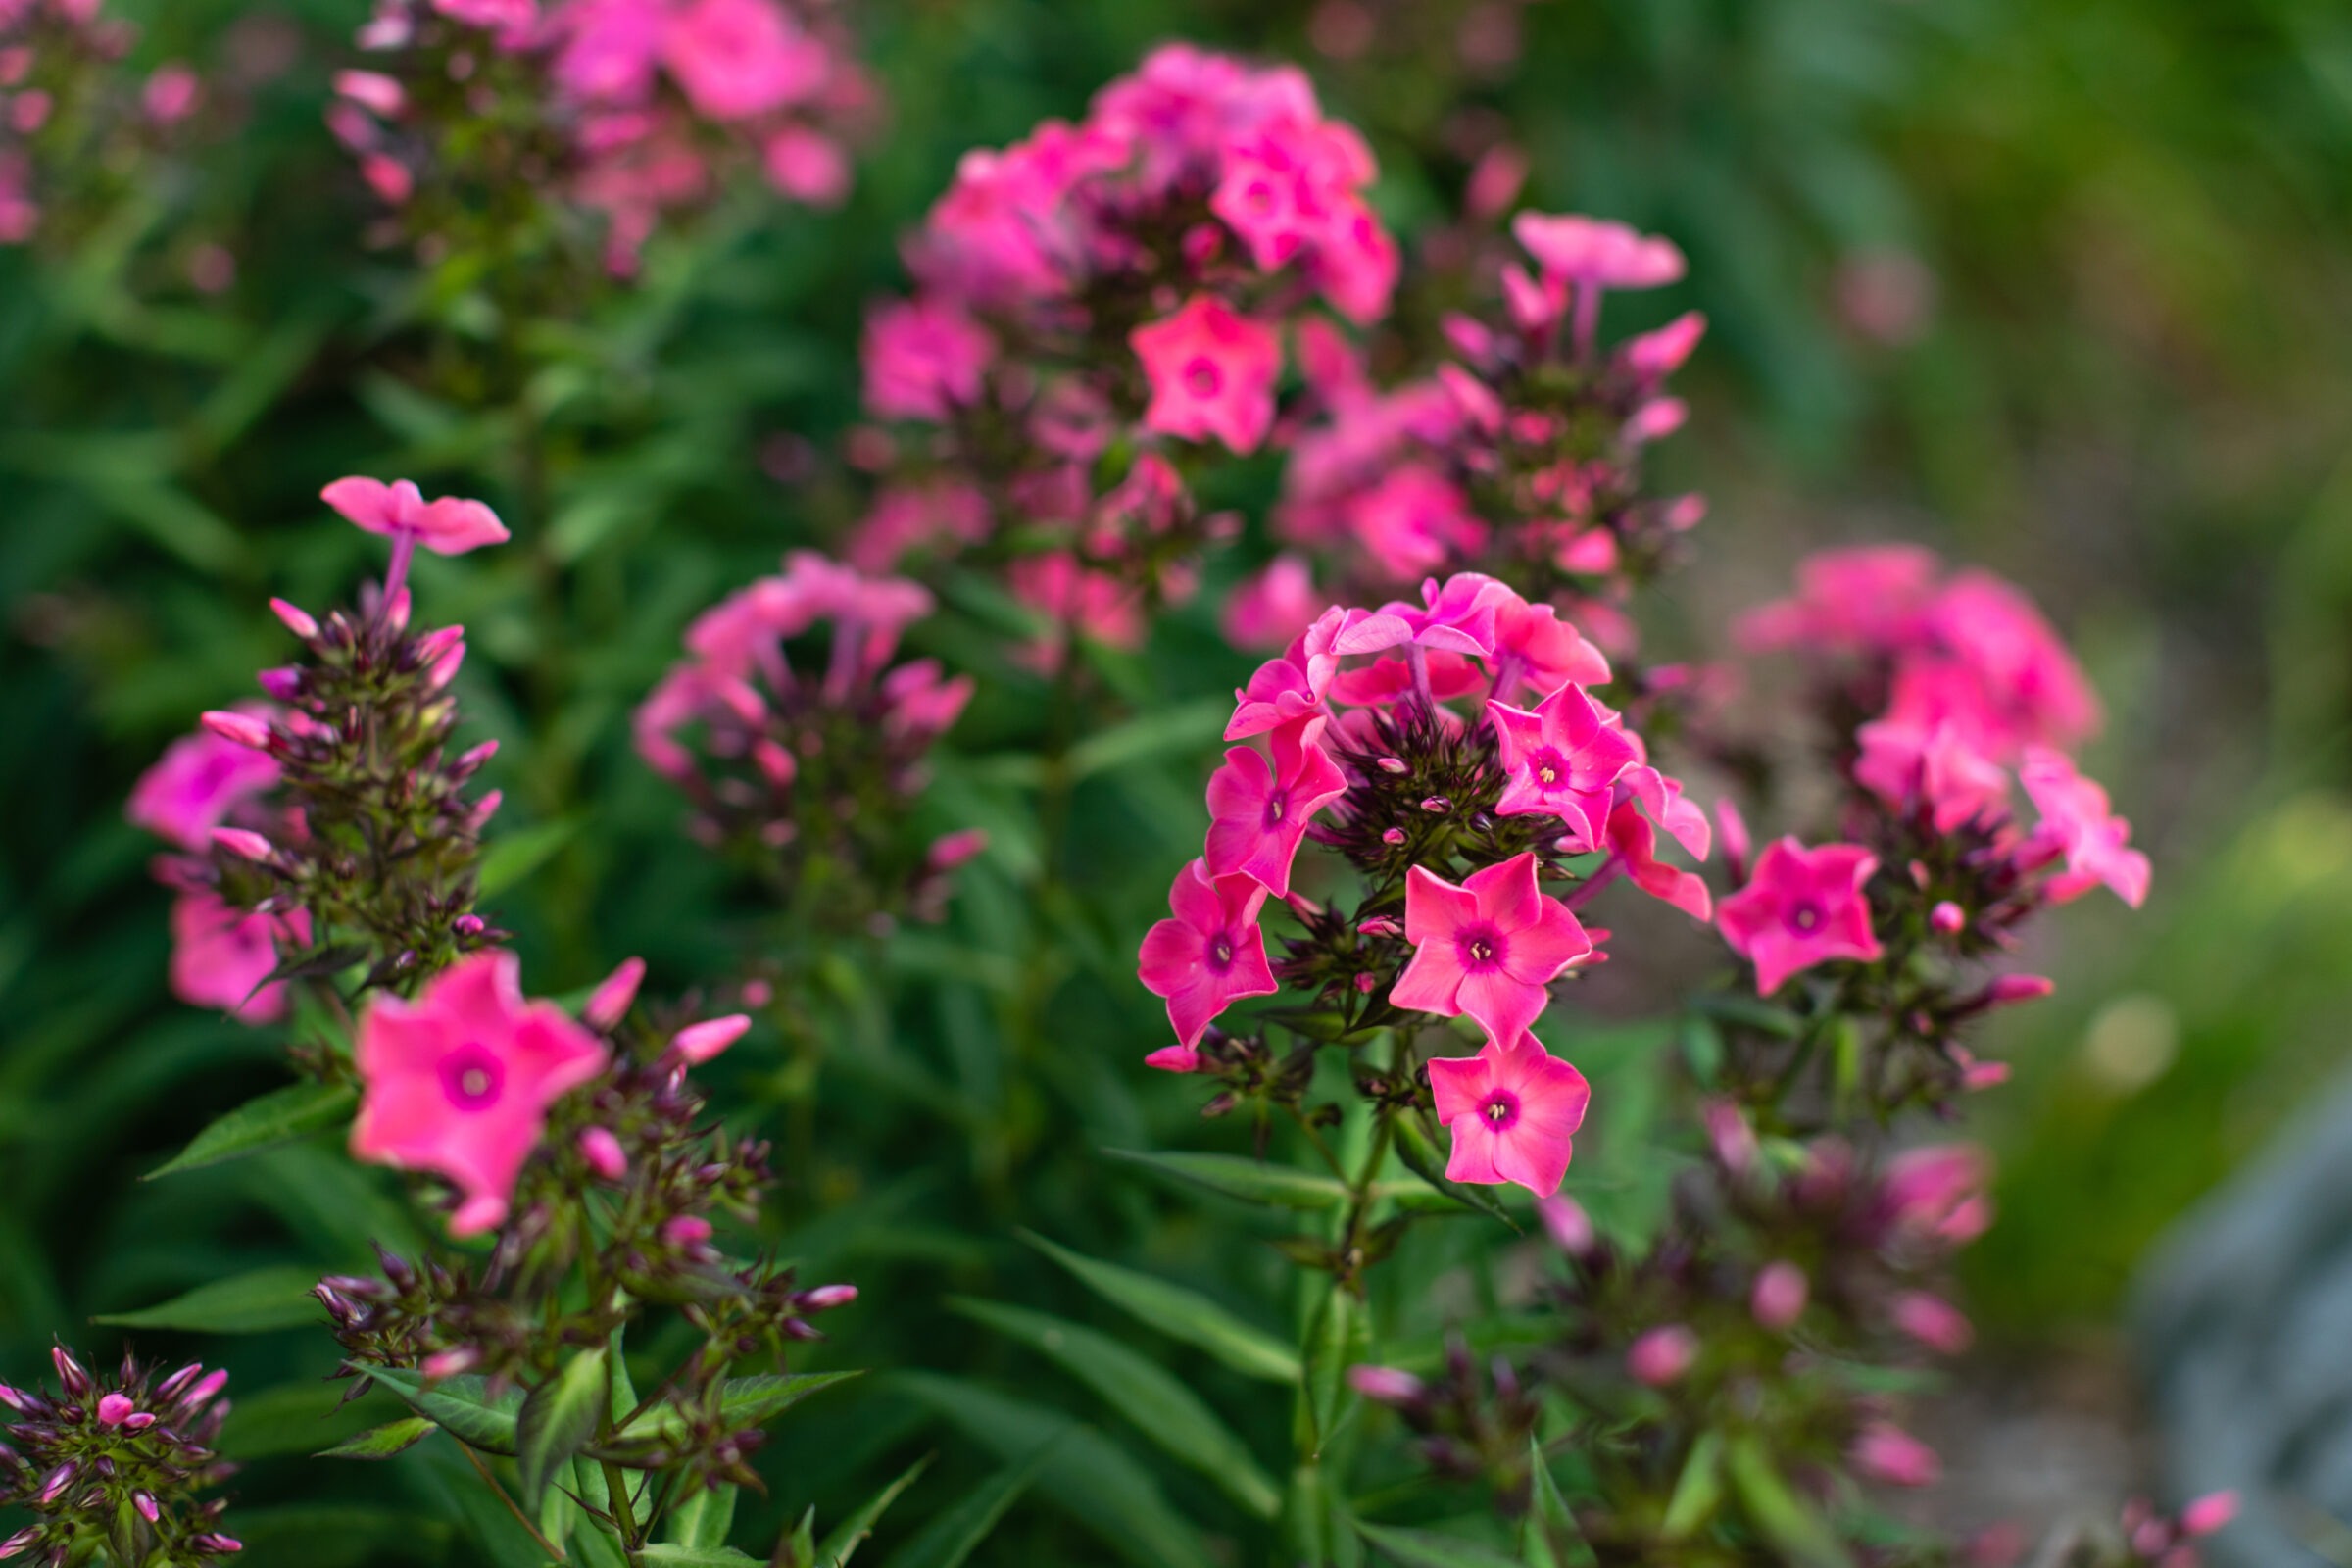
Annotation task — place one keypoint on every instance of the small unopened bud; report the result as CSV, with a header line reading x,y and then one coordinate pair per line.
x,y
698,1042
242,728
1366,984
1380,925
1394,764
1778,1297
1947,918
138,1421
1984,1075
825,1297
686,1231
1437,804
469,925
245,842
112,1407
473,756
1934,1322
1662,1355
602,1151
20,1542
213,1542
448,1363
284,684
609,1003
1395,835
1735,1141
148,1508
1384,1385
169,1388
774,762
70,1373
297,619
951,850
1567,1223
2209,1513
54,1484
2009,989
1888,1454
10,1397
211,1384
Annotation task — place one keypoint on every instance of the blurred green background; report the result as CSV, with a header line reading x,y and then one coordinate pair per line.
x,y
2062,288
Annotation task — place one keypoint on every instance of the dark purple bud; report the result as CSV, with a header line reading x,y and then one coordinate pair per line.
x,y
70,1373
57,1479
170,1386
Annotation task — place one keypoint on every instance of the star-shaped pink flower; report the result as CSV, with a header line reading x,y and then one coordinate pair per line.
x,y
192,789
1933,765
2076,818
1513,1112
1258,811
1211,372
221,956
1490,947
1598,251
459,1080
447,526
1562,758
1801,908
1210,953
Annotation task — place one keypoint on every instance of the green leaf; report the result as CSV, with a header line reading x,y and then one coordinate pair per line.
x,y
1249,1180
1784,1519
1421,1157
676,1556
281,1116
746,1402
461,1404
1187,728
1550,1524
1180,1313
557,1420
1699,1492
1161,1407
1750,1013
958,1533
382,1443
245,1303
841,1542
512,857
1420,1548
1337,1340
703,1518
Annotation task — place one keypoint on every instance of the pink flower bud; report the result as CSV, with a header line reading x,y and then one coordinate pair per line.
x,y
112,1407
2013,988
371,90
698,1042
388,178
1886,1453
70,1373
57,1479
774,762
1567,1223
17,1544
215,1541
1934,1322
1947,918
1384,1385
1394,764
448,1363
169,1389
1395,835
2209,1513
1366,984
951,850
243,840
284,684
1735,1141
1779,1295
757,993
1174,1059
608,1003
825,1297
297,619
208,1385
1985,1075
10,1397
602,1151
138,1421
148,1508
1380,925
242,728
1662,1355
473,756
687,1231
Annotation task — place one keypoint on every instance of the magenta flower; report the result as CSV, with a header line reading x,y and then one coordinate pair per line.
x,y
2075,820
1270,609
1598,251
1258,811
1210,953
458,1081
1490,948
449,526
739,57
221,956
1934,766
192,789
1661,1356
1513,1112
1801,908
923,359
1563,758
1212,373
1889,1455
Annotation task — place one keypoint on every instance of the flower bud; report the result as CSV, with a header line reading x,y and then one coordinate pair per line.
x,y
686,1231
2008,989
70,1373
1947,918
145,1502
609,1003
1662,1355
243,840
1567,1223
602,1151
1395,835
698,1042
2209,1513
297,619
1437,804
112,1407
1886,1453
448,1363
1934,1322
211,1384
1386,1384
1379,925
1778,1297
242,728
284,684
57,1481
951,850
827,1296
17,1545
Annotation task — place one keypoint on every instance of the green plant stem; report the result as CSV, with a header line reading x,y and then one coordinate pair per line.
x,y
513,1508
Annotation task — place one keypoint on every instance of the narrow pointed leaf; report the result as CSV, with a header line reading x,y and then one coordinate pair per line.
x,y
245,1303
958,1533
1422,1549
281,1116
1180,1313
461,1404
1245,1179
1786,1519
1161,1407
1699,1492
703,1518
1335,1341
842,1541
382,1443
1553,1539
676,1556
557,1420
746,1402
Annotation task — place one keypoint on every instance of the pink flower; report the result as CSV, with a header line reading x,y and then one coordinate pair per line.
x,y
1547,652
1513,1112
1993,632
192,789
449,526
1868,597
1259,810
1935,767
459,1081
1661,1356
2075,819
221,956
1937,1194
1597,251
1933,1321
1414,520
1210,953
1801,908
1489,948
1212,373
1778,1298
1889,1455
1562,758
608,1003
1634,845
2206,1515
1270,609
923,357
739,57
171,94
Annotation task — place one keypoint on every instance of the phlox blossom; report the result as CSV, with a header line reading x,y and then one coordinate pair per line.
x,y
2075,819
1513,1112
194,786
1210,953
221,956
1489,947
1259,810
1801,908
1211,372
458,1081
447,526
1563,758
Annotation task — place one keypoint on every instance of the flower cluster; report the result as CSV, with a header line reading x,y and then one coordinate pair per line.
x,y
581,1149
497,124
328,827
68,117
1397,738
1113,293
1942,699
1520,457
112,1465
811,770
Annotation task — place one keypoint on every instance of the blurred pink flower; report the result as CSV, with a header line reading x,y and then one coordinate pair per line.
x,y
2075,819
924,358
1661,1356
192,789
219,956
1211,372
1802,906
